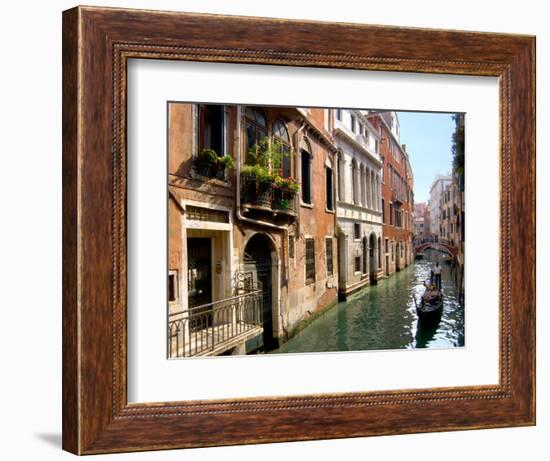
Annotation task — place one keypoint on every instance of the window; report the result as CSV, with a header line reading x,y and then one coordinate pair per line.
x,y
329,189
172,286
391,214
306,177
339,114
383,211
310,260
330,264
356,231
354,181
357,264
256,126
341,179
280,133
353,127
211,128
386,245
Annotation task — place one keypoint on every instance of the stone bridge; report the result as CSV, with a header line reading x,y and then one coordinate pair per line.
x,y
440,246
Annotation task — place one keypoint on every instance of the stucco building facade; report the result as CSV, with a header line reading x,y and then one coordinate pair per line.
x,y
251,216
437,188
359,209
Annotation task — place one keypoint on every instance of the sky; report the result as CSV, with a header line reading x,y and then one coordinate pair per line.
x,y
428,139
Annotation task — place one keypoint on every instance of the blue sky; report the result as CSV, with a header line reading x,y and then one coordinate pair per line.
x,y
428,139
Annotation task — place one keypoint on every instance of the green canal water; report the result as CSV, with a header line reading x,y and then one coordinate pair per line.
x,y
383,316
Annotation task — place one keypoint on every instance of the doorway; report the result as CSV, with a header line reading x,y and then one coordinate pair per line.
x,y
257,261
199,281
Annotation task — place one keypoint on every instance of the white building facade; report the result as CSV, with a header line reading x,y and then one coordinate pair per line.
x,y
359,200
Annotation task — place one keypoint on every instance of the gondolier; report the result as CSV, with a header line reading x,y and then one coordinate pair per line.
x,y
437,275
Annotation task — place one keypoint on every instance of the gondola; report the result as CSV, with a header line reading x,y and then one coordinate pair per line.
x,y
430,308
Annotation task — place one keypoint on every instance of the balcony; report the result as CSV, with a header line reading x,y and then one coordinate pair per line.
x,y
399,197
214,328
266,196
359,141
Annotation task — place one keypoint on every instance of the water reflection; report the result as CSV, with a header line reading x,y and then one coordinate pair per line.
x,y
384,316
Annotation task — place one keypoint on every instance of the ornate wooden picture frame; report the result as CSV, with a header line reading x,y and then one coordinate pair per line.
x,y
97,44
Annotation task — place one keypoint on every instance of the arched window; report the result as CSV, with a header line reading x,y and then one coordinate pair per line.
x,y
256,126
329,185
354,181
280,133
305,153
368,186
341,177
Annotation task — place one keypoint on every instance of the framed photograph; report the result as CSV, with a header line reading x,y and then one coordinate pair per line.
x,y
281,230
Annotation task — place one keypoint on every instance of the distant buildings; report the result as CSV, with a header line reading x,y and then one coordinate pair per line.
x,y
419,215
439,185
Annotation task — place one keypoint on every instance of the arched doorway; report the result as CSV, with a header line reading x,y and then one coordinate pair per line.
x,y
379,247
258,262
365,253
372,258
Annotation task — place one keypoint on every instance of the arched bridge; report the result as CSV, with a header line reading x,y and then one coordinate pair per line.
x,y
440,246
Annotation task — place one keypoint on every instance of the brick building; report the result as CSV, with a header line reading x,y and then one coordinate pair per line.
x,y
252,247
397,194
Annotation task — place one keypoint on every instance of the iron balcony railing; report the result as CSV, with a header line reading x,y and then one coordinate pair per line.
x,y
264,196
398,196
215,327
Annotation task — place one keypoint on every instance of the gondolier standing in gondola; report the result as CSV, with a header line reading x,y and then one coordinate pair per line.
x,y
437,273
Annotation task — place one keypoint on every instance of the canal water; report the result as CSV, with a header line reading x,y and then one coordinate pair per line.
x,y
384,317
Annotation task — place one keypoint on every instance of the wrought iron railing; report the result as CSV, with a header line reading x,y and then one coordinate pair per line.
x,y
207,329
399,196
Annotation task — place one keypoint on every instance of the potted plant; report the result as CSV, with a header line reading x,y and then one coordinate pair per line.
x,y
262,181
212,165
257,184
284,192
226,162
207,163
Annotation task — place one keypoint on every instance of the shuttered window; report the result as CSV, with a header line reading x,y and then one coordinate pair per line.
x,y
330,264
310,260
357,265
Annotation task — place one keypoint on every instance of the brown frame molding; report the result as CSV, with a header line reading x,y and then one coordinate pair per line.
x,y
97,42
